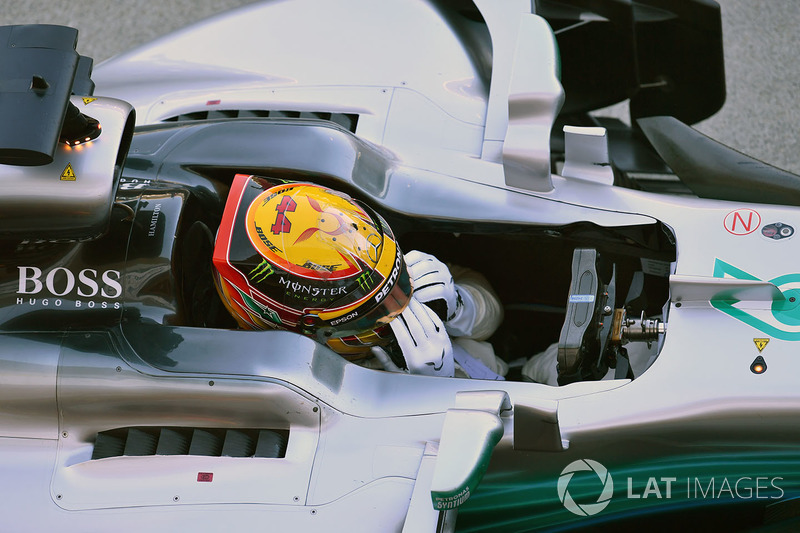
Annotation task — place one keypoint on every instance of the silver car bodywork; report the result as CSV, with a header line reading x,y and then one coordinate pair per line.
x,y
435,117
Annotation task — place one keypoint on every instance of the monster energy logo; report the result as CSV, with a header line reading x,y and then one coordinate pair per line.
x,y
364,281
261,272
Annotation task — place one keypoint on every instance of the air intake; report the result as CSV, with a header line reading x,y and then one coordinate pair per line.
x,y
346,120
143,441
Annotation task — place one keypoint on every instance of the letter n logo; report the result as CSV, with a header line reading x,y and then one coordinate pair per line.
x,y
742,221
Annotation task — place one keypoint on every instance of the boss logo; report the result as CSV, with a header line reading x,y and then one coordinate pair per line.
x,y
61,281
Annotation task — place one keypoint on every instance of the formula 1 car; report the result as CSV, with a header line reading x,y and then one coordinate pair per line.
x,y
661,264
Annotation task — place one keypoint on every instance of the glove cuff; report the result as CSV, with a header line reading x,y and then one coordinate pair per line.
x,y
463,321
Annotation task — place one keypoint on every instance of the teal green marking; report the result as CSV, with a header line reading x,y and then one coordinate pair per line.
x,y
526,499
721,268
264,312
261,272
785,310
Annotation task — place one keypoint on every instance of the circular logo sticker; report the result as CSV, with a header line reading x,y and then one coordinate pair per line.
x,y
585,509
777,231
742,221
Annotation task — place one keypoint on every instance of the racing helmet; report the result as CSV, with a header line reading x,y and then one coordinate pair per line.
x,y
306,258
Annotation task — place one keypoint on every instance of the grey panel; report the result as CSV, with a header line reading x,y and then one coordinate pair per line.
x,y
28,366
72,196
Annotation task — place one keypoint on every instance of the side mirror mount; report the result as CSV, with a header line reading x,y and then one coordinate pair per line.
x,y
470,433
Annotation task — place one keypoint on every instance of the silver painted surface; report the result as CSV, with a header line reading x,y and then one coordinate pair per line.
x,y
759,117
96,392
586,155
258,62
470,432
535,97
699,388
421,514
419,110
73,195
28,386
698,290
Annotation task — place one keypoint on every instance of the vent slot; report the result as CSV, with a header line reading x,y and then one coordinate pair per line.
x,y
206,442
239,444
173,441
346,120
210,442
141,442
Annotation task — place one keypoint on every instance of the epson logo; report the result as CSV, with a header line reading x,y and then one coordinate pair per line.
x,y
345,318
389,282
61,281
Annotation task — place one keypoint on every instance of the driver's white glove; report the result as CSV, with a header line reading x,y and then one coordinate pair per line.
x,y
423,340
433,284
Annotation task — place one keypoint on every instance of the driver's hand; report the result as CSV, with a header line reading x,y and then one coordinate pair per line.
x,y
424,341
433,284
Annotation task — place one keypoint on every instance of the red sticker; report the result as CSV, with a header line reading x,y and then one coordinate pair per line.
x,y
206,477
742,221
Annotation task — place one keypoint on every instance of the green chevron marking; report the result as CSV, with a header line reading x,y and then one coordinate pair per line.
x,y
785,311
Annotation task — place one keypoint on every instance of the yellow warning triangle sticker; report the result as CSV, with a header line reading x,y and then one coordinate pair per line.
x,y
68,174
88,100
761,343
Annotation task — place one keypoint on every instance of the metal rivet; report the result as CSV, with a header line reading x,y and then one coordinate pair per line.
x,y
315,409
58,496
792,299
313,511
211,383
119,369
176,498
296,498
64,434
678,304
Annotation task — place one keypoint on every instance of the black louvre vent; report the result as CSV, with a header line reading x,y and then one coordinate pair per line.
x,y
270,443
347,120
